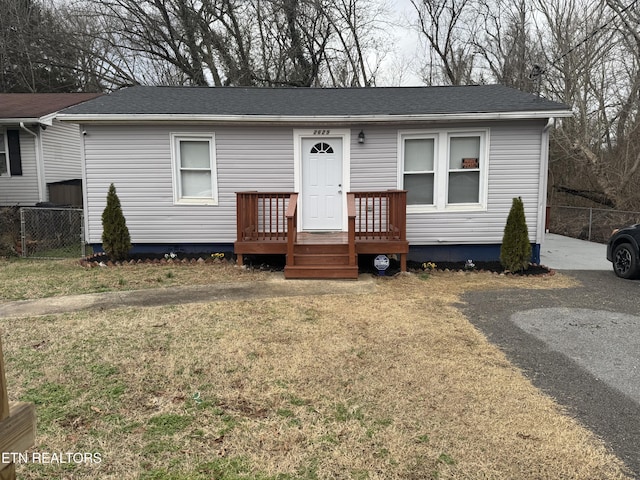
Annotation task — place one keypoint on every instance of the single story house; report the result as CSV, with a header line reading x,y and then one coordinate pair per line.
x,y
39,156
318,174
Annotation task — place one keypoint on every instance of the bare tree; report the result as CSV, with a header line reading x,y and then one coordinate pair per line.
x,y
241,42
506,43
448,28
33,54
594,67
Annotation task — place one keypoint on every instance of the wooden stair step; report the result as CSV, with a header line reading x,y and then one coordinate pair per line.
x,y
320,259
321,271
316,248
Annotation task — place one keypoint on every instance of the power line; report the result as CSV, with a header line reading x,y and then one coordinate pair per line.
x,y
537,71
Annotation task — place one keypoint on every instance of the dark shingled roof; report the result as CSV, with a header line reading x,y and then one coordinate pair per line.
x,y
297,102
36,105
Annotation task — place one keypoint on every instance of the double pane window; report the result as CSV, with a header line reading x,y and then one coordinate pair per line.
x,y
419,170
444,169
464,169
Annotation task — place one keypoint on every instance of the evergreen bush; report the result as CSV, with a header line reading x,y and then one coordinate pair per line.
x,y
515,253
116,240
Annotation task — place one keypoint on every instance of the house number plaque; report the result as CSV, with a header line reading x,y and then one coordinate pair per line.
x,y
322,132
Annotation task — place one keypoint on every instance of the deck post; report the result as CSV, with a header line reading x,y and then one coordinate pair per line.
x,y
17,426
292,227
351,212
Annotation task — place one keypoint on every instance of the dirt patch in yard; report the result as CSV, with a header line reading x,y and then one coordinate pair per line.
x,y
394,384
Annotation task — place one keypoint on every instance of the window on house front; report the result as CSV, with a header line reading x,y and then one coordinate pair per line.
x,y
464,169
194,169
322,148
444,169
419,170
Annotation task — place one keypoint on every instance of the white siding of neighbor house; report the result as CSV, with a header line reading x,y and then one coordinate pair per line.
x,y
137,159
22,189
61,152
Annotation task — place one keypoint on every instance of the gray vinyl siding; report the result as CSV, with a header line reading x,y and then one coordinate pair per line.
x,y
61,152
22,189
374,163
514,170
138,161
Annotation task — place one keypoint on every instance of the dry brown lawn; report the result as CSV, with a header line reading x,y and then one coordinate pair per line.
x,y
26,279
395,384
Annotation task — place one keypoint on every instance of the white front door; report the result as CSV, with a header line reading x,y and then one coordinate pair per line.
x,y
321,188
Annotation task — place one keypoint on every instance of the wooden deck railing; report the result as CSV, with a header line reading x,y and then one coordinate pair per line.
x,y
267,224
378,215
292,226
263,216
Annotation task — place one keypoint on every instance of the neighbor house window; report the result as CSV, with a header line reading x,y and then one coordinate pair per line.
x,y
194,169
4,169
444,169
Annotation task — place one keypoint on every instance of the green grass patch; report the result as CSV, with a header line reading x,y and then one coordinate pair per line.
x,y
168,424
345,413
51,400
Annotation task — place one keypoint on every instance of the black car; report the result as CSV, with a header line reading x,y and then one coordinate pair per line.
x,y
623,250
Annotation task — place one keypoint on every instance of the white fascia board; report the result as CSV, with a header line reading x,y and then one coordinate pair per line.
x,y
18,121
137,118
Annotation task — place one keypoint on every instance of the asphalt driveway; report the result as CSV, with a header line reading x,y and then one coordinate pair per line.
x,y
581,346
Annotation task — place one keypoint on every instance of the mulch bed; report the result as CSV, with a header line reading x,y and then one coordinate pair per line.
x,y
103,260
276,263
493,267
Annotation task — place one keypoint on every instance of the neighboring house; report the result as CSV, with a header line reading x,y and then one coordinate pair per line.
x,y
38,154
179,156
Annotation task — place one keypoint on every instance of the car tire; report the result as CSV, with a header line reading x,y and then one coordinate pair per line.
x,y
625,261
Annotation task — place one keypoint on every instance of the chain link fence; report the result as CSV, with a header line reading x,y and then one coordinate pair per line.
x,y
9,231
592,224
52,232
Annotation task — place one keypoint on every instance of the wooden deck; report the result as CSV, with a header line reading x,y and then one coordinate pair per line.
x,y
267,224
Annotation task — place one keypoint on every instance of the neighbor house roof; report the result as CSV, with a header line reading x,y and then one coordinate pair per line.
x,y
382,103
31,106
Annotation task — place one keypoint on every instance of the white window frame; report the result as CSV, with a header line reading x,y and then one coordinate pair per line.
x,y
4,148
441,168
178,199
436,146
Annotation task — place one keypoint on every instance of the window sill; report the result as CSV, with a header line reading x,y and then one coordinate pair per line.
x,y
448,209
190,202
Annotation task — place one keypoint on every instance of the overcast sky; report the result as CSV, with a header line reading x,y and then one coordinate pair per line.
x,y
400,65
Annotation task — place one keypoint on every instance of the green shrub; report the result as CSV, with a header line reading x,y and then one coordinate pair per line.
x,y
116,240
515,253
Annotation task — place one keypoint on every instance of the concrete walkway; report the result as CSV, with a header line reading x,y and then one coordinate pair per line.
x,y
276,286
557,252
566,253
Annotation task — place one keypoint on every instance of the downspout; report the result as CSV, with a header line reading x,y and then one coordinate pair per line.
x,y
39,164
544,174
85,195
